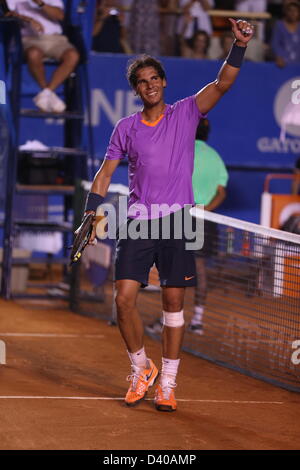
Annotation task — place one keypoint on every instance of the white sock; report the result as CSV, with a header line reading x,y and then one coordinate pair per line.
x,y
198,315
169,371
138,358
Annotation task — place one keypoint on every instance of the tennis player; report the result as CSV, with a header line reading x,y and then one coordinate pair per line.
x,y
159,144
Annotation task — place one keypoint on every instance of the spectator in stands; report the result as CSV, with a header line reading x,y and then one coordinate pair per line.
x,y
197,47
286,36
109,33
42,38
144,27
200,20
275,8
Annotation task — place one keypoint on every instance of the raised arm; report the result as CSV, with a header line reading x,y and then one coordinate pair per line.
x,y
208,97
101,15
217,199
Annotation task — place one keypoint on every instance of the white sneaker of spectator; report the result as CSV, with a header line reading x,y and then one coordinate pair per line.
x,y
42,100
155,327
56,103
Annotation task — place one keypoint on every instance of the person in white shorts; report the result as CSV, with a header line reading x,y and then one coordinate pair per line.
x,y
42,38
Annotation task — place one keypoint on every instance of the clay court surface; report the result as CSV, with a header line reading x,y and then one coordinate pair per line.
x,y
64,382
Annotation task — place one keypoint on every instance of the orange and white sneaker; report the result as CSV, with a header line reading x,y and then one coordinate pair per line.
x,y
141,380
164,399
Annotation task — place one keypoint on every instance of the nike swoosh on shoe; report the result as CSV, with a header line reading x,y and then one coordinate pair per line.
x,y
149,375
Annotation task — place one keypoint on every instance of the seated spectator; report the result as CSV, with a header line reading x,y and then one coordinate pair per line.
x,y
197,47
286,36
200,20
109,33
42,38
275,8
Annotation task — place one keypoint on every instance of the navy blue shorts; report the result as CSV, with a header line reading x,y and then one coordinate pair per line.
x,y
175,263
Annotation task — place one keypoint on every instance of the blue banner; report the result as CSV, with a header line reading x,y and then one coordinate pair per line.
x,y
245,123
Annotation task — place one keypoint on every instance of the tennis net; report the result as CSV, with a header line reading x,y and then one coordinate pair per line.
x,y
249,286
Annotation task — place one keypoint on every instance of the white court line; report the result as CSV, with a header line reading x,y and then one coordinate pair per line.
x,y
50,335
241,402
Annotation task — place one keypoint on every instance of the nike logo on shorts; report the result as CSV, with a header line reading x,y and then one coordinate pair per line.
x,y
188,278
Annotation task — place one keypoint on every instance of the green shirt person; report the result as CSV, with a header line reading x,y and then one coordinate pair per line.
x,y
210,179
210,175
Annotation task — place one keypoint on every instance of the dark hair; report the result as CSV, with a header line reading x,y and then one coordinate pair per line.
x,y
141,62
289,5
203,129
201,32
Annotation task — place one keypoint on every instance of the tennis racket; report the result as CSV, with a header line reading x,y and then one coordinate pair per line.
x,y
82,237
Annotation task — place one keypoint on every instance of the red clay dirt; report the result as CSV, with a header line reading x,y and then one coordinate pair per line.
x,y
85,358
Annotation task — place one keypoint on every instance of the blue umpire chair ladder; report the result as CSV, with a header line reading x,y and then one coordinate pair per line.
x,y
78,140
